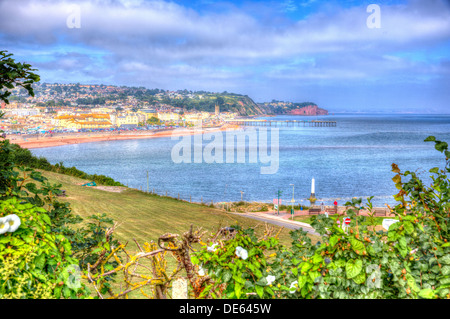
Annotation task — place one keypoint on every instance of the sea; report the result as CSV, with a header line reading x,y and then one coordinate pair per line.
x,y
352,159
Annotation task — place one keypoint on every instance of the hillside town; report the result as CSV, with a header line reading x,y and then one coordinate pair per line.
x,y
62,108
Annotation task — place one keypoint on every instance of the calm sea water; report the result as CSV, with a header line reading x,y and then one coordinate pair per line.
x,y
351,160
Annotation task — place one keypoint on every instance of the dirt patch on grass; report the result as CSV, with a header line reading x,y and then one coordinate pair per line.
x,y
113,189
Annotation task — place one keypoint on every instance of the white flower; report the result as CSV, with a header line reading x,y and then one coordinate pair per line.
x,y
212,247
293,287
201,271
241,252
270,279
14,222
4,225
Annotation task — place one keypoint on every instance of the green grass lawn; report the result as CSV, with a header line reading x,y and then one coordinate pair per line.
x,y
303,219
145,217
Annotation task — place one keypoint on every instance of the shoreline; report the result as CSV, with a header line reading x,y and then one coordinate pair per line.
x,y
79,138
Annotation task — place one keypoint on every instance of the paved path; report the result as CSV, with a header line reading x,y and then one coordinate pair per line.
x,y
283,219
279,221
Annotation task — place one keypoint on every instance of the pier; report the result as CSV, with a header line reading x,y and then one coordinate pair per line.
x,y
280,123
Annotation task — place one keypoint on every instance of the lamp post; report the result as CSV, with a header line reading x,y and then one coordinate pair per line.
x,y
292,201
278,203
312,198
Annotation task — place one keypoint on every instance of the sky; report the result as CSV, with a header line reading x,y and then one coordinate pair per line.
x,y
346,56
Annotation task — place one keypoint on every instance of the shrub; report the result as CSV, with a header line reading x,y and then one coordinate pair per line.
x,y
410,260
47,244
34,261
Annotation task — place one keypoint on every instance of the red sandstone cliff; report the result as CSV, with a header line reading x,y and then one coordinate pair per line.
x,y
308,110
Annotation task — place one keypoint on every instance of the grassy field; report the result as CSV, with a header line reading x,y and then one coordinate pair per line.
x,y
145,217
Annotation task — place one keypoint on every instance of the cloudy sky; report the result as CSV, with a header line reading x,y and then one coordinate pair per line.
x,y
343,55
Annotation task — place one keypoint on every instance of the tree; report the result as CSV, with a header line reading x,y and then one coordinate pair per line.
x,y
220,101
153,121
14,74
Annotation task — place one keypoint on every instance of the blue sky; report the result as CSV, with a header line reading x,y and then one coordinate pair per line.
x,y
311,50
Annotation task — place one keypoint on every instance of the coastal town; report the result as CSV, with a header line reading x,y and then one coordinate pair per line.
x,y
74,108
64,108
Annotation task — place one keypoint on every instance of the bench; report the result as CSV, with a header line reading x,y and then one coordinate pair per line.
x,y
331,211
314,211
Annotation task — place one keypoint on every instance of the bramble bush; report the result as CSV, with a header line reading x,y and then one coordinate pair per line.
x,y
50,248
410,260
33,259
41,256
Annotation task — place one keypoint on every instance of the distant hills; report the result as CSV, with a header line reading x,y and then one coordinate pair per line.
x,y
86,95
290,108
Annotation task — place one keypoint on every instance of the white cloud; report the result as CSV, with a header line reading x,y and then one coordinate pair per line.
x,y
163,42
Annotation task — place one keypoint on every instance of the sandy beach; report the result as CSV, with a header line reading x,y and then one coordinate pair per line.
x,y
31,142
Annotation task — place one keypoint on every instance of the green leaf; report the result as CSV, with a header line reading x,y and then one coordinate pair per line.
x,y
403,251
409,227
302,280
226,276
430,139
402,242
66,292
239,279
357,245
360,278
306,266
46,219
412,282
333,240
4,240
397,179
40,261
57,291
434,170
353,268
238,289
194,260
445,259
445,270
441,146
317,259
314,274
426,293
269,290
340,262
259,291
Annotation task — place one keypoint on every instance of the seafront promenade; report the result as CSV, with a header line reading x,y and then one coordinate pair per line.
x,y
284,219
39,141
